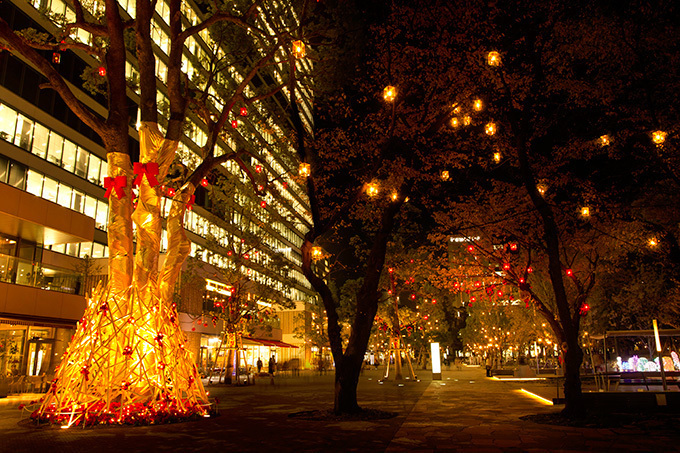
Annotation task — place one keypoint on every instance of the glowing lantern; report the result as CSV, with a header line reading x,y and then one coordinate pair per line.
x,y
243,111
493,58
372,190
101,71
477,104
658,137
263,204
56,58
585,211
467,120
304,170
317,253
652,242
506,266
389,93
569,273
445,175
299,49
605,140
234,124
258,168
395,196
490,128
542,188
455,122
497,157
204,182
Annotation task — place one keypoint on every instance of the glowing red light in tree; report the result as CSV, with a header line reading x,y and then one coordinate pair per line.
x,y
473,299
413,297
584,309
204,182
569,272
522,281
171,192
513,246
258,168
471,248
530,270
506,266
478,284
246,256
234,124
243,111
101,71
390,270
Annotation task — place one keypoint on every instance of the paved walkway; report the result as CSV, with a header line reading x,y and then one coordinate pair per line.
x,y
463,412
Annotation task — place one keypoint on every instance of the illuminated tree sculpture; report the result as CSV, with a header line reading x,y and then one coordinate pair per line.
x,y
127,362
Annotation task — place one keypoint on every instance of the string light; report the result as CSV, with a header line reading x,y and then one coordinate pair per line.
x,y
658,137
389,93
493,58
299,50
605,140
304,170
372,190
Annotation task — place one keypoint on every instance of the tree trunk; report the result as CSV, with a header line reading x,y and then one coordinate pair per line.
x,y
346,381
573,396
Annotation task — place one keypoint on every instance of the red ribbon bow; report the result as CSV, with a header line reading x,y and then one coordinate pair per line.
x,y
149,169
190,203
118,184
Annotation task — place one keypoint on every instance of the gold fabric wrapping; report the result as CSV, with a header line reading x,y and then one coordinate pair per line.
x,y
179,246
147,215
120,226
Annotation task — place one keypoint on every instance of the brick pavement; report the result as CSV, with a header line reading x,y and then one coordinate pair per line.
x,y
464,412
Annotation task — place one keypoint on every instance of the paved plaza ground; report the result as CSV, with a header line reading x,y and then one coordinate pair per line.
x,y
465,412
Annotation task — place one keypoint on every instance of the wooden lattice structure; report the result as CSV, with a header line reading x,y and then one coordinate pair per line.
x,y
127,362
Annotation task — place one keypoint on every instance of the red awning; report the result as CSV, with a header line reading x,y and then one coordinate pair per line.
x,y
270,342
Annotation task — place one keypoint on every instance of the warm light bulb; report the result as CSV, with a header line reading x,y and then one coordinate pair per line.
x,y
467,120
493,58
542,188
304,170
490,128
372,190
658,137
585,211
389,93
497,157
394,196
299,49
477,104
445,175
455,122
605,140
652,242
